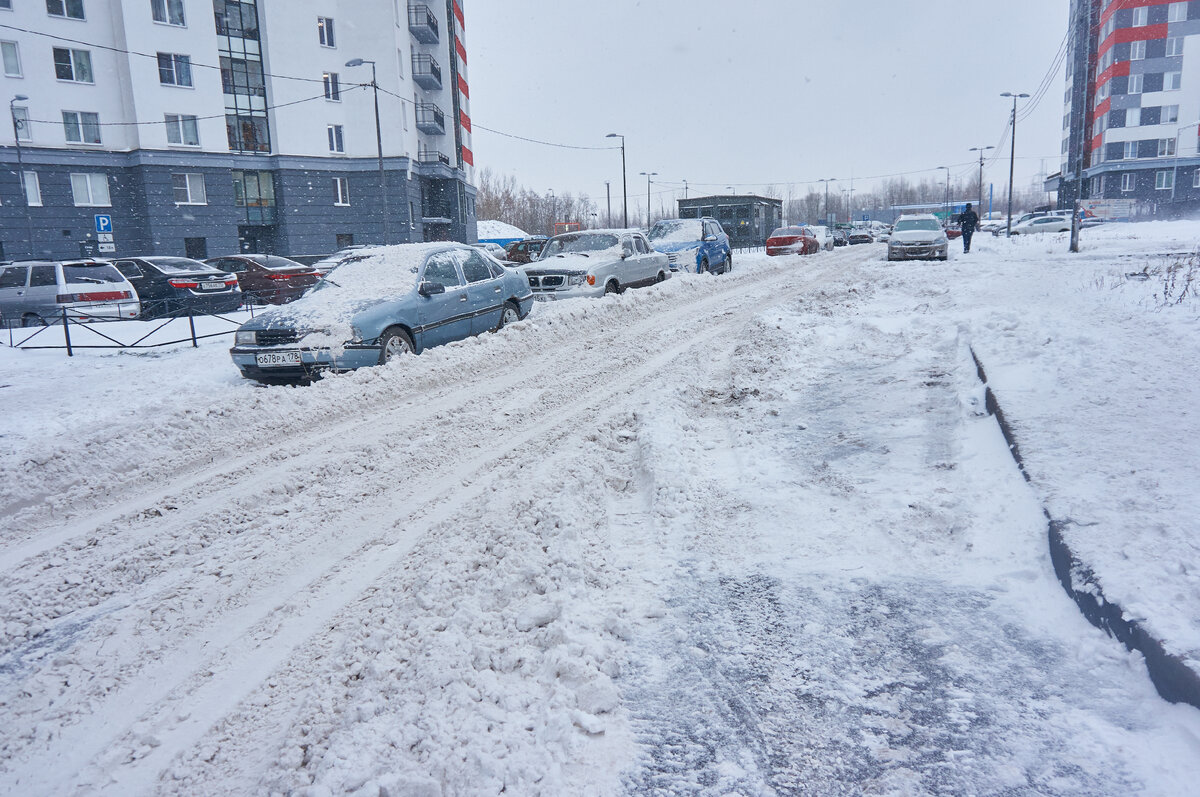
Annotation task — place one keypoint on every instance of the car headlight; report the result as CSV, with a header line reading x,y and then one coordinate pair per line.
x,y
576,279
247,338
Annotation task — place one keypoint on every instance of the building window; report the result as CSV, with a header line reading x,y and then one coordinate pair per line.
x,y
1097,186
1128,181
1141,17
81,127
168,11
247,133
341,191
74,65
1175,45
1133,117
1170,115
1164,180
7,4
1137,51
253,189
12,59
174,69
1196,179
325,31
333,90
1131,150
337,142
21,121
1135,84
182,130
71,9
1166,147
33,189
1172,81
90,190
1177,12
189,189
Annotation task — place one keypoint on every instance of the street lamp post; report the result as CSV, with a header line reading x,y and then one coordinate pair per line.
x,y
21,167
1175,166
827,181
685,189
553,210
946,201
980,150
608,193
648,175
1012,158
624,176
353,62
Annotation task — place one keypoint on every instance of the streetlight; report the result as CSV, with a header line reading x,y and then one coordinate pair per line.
x,y
12,112
553,210
624,178
946,202
980,150
685,189
353,62
608,192
827,181
1012,159
648,175
1175,166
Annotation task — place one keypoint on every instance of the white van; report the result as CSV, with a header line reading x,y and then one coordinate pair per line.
x,y
36,292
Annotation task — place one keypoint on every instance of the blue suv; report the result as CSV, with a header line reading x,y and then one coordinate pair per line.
x,y
695,245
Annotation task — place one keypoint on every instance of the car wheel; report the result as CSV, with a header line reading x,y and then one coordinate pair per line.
x,y
611,287
703,269
395,342
32,320
509,315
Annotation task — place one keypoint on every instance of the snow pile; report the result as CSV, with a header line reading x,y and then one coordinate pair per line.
x,y
491,229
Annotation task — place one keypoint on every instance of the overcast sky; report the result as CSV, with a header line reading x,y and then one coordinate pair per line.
x,y
758,91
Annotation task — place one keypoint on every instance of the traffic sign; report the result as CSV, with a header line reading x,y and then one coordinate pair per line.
x,y
103,223
866,217
104,237
107,248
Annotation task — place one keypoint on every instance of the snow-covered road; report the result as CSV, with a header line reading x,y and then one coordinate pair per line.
x,y
746,535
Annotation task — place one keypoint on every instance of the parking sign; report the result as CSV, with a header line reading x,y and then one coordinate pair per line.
x,y
103,223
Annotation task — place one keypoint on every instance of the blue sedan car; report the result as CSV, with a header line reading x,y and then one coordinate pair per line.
x,y
693,245
399,300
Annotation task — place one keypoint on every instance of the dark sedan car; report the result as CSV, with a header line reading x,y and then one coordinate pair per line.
x,y
169,286
268,279
840,238
861,236
525,251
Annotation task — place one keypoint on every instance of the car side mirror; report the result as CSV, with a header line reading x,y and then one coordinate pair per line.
x,y
710,239
626,251
428,289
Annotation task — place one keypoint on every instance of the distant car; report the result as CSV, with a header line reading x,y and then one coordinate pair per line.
x,y
693,245
595,263
268,279
525,251
37,292
169,286
493,249
399,300
860,235
918,237
793,241
840,238
323,265
1042,224
824,237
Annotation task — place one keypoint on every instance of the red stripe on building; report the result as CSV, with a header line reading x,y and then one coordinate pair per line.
x,y
1115,7
458,48
1102,109
465,120
1097,142
468,157
458,14
1126,35
462,86
1119,69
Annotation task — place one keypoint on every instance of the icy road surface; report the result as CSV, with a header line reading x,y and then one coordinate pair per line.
x,y
746,535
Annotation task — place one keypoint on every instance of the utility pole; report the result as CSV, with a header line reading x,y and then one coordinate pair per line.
x,y
353,62
21,167
827,181
648,175
685,189
980,150
946,201
1012,159
624,177
1083,26
608,191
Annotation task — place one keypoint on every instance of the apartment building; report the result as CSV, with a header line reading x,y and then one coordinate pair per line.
x,y
202,127
1131,122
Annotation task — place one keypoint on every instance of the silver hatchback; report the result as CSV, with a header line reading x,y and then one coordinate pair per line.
x,y
38,292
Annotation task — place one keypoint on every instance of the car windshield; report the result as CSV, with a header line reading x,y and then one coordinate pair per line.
x,y
787,231
579,242
918,224
180,264
275,263
91,272
676,231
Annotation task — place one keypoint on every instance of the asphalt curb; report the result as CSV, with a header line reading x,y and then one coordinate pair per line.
x,y
1174,680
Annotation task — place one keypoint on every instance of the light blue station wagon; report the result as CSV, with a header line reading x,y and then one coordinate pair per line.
x,y
401,299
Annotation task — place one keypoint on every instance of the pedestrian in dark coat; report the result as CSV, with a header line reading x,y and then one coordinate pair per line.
x,y
968,220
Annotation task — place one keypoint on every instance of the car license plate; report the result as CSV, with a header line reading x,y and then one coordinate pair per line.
x,y
212,286
544,297
273,359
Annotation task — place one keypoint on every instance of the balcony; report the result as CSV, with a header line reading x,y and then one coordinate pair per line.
x,y
422,24
432,156
425,71
430,119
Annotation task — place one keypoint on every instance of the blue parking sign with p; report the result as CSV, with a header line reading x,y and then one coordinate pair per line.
x,y
103,223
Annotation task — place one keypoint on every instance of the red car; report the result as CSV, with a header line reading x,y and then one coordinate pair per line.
x,y
268,278
793,241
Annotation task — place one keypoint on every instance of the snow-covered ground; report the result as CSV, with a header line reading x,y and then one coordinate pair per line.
x,y
751,534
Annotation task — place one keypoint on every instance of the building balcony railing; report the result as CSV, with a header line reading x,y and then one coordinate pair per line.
x,y
425,71
422,23
430,119
432,156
